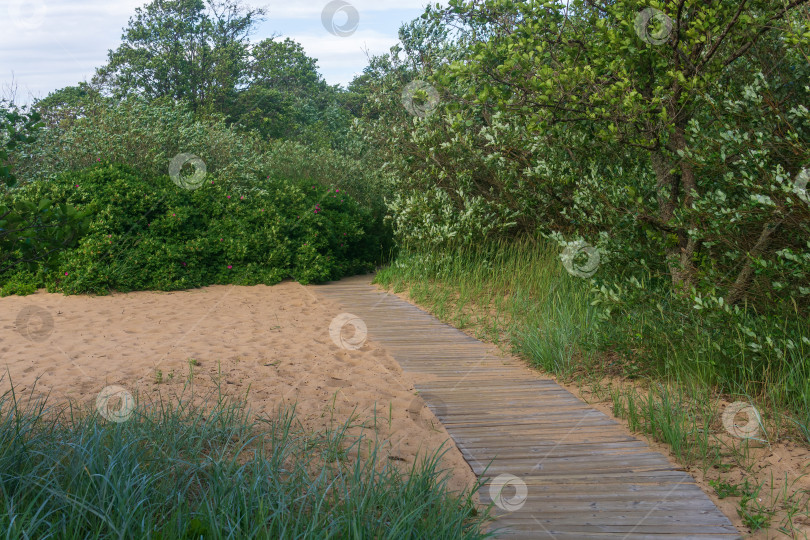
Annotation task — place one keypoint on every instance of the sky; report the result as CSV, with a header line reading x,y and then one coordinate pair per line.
x,y
49,44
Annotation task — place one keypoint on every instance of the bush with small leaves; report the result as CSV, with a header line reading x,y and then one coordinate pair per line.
x,y
146,233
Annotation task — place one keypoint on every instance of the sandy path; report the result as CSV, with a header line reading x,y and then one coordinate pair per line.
x,y
274,341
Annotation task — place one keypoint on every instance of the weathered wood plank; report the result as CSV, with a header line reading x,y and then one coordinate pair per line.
x,y
583,476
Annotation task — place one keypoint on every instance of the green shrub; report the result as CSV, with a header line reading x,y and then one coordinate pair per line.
x,y
31,231
147,135
21,282
144,135
147,233
18,128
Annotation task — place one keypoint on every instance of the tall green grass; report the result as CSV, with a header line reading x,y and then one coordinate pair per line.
x,y
503,292
520,293
211,471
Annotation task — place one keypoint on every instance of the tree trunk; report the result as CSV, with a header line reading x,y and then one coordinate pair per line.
x,y
674,190
668,189
744,278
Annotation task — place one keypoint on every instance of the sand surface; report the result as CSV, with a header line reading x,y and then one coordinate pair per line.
x,y
272,343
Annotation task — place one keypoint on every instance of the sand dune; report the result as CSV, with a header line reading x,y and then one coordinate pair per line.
x,y
272,343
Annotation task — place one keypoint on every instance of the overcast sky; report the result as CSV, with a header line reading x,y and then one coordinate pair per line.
x,y
49,44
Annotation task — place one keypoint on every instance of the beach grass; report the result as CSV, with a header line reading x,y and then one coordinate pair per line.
x,y
176,469
518,294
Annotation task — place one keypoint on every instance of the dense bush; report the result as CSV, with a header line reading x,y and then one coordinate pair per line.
x,y
673,160
18,129
147,135
83,132
142,134
148,233
31,231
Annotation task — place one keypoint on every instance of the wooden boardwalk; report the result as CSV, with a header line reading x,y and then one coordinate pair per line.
x,y
556,467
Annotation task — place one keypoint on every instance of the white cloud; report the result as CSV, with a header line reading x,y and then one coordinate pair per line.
x,y
286,9
340,59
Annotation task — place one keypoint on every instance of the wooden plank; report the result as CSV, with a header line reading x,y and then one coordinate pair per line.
x,y
583,476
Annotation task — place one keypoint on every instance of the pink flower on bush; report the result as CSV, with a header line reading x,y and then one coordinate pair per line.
x,y
174,215
229,196
230,266
66,273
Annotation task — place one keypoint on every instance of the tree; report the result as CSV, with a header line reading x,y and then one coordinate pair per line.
x,y
284,65
631,78
286,98
68,103
192,50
